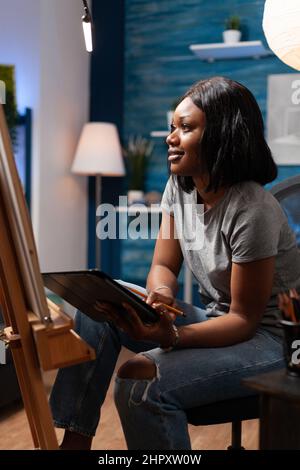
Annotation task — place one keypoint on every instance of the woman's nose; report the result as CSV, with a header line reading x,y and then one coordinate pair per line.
x,y
172,138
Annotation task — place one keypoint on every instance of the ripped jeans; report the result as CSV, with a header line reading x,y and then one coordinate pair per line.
x,y
152,411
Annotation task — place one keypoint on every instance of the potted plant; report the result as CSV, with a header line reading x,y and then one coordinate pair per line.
x,y
137,155
232,33
7,76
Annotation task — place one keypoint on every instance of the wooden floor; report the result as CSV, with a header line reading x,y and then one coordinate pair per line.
x,y
15,434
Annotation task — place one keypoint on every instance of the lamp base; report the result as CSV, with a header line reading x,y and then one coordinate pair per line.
x,y
97,240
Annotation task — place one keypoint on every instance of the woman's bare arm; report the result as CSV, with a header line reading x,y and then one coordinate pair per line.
x,y
167,258
251,286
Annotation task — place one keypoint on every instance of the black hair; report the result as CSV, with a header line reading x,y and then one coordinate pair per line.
x,y
233,147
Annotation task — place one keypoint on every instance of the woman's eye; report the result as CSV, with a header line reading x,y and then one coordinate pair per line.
x,y
185,127
172,128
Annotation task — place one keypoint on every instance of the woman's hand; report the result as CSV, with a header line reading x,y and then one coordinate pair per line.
x,y
160,332
162,296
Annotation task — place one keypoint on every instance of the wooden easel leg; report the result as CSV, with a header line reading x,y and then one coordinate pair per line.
x,y
32,390
20,374
23,383
36,406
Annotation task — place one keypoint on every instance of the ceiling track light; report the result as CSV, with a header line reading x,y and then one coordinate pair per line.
x,y
87,27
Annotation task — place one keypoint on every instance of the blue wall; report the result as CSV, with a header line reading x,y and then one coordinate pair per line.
x,y
159,67
106,104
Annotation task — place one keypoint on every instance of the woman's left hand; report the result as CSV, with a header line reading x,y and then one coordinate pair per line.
x,y
160,332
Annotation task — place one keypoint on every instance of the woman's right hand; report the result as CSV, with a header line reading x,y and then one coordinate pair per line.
x,y
162,296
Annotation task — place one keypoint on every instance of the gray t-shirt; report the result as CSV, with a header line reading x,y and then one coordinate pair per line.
x,y
247,224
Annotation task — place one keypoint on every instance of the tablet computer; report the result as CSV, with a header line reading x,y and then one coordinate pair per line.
x,y
83,289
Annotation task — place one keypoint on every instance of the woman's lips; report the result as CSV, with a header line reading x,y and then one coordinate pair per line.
x,y
175,157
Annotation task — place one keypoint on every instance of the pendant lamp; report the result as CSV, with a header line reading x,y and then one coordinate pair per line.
x,y
281,25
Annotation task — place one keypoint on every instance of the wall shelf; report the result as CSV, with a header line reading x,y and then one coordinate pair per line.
x,y
221,51
159,133
134,208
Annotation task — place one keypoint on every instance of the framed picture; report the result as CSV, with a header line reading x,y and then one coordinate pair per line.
x,y
283,118
19,126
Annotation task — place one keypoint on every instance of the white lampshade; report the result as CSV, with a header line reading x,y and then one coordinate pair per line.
x,y
99,151
281,25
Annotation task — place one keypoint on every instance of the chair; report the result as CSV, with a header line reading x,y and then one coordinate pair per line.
x,y
236,410
287,192
232,411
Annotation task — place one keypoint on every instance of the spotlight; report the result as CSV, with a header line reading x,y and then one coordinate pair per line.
x,y
87,27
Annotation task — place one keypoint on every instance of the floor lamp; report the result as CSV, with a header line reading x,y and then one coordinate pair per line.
x,y
99,154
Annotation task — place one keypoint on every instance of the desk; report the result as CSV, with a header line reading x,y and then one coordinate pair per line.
x,y
279,409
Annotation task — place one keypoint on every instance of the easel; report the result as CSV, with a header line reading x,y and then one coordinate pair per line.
x,y
39,333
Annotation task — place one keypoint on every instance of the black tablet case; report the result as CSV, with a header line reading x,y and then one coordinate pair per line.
x,y
83,289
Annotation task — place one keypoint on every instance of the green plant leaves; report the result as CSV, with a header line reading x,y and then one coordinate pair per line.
x,y
137,156
7,75
233,22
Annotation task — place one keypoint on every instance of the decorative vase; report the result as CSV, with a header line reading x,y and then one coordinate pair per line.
x,y
231,36
134,196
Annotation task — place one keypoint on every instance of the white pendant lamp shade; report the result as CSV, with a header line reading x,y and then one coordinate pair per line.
x,y
99,151
281,25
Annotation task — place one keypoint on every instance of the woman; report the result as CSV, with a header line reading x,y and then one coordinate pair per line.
x,y
242,254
